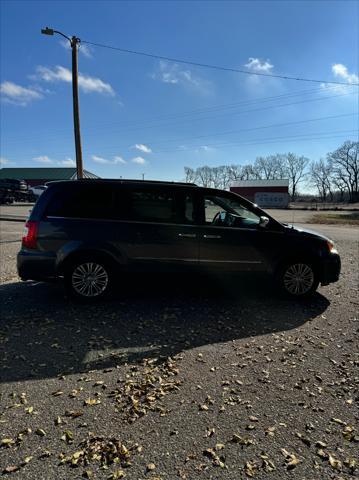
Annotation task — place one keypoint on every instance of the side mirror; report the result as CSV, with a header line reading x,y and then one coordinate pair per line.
x,y
263,222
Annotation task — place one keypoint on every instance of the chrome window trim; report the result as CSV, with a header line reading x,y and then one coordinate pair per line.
x,y
192,225
196,261
123,221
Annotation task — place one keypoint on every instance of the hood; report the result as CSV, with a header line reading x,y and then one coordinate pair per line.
x,y
305,231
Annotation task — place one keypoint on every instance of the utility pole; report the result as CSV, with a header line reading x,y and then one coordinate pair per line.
x,y
75,95
74,42
143,176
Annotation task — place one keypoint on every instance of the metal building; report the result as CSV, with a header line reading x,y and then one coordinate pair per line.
x,y
39,176
265,193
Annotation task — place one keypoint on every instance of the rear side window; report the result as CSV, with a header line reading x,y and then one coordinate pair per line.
x,y
83,201
153,206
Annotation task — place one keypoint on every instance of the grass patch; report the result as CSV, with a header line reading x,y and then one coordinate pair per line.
x,y
336,218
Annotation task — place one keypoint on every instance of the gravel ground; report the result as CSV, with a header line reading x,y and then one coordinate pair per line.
x,y
211,380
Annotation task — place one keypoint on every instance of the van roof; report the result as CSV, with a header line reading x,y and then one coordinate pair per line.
x,y
123,181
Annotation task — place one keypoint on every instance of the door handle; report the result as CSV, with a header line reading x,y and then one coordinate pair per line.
x,y
212,236
187,235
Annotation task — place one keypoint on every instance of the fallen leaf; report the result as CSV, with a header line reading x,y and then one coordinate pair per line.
x,y
11,469
92,401
7,442
67,436
334,463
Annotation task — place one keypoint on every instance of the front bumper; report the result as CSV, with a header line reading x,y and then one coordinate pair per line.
x,y
35,265
330,269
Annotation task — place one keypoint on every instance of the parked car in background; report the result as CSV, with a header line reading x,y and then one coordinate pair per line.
x,y
12,190
37,190
91,233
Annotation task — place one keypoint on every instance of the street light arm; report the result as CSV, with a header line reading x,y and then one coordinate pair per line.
x,y
63,35
50,31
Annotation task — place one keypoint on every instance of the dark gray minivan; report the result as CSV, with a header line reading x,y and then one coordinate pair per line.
x,y
91,232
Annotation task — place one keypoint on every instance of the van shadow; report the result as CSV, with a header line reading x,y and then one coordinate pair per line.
x,y
43,334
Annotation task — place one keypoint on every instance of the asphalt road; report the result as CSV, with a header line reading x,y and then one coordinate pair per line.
x,y
180,379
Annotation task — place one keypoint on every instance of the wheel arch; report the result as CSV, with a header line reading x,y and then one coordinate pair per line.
x,y
300,256
85,253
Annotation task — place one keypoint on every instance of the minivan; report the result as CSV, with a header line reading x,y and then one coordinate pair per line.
x,y
91,232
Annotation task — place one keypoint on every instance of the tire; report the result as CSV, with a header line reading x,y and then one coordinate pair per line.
x,y
298,279
88,279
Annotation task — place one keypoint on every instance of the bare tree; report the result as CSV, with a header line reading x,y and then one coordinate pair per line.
x,y
217,177
249,172
190,175
223,177
295,167
320,177
204,175
345,165
235,172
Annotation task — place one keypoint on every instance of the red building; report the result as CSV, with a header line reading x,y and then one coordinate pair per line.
x,y
265,193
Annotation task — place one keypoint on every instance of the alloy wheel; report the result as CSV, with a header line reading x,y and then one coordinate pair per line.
x,y
89,279
298,279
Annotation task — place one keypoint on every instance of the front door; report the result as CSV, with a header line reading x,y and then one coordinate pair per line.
x,y
230,237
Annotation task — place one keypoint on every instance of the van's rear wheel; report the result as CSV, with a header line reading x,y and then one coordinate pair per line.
x,y
88,279
298,279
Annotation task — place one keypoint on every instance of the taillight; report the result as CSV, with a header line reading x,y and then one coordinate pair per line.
x,y
30,234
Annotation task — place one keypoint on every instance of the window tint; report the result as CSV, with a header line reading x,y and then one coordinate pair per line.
x,y
114,202
189,215
84,201
153,206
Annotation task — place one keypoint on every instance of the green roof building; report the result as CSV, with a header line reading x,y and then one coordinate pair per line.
x,y
39,176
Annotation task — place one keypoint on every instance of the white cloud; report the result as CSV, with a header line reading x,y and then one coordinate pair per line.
x,y
43,159
258,65
206,148
341,71
174,74
86,84
105,161
139,161
98,159
18,95
142,148
68,162
84,49
5,161
118,159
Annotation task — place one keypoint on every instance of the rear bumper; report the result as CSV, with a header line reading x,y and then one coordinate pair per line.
x,y
330,269
34,265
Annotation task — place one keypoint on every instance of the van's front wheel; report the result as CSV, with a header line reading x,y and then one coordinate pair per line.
x,y
88,279
298,279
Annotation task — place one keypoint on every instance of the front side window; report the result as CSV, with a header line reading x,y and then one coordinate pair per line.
x,y
228,212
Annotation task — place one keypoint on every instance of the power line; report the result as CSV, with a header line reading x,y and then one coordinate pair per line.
x,y
213,67
268,140
273,125
323,135
110,151
188,115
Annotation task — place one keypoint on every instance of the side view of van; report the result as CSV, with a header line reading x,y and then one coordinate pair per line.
x,y
91,232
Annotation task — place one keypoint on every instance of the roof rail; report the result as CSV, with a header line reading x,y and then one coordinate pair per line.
x,y
131,180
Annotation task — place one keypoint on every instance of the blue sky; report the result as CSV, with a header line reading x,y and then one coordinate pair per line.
x,y
142,115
